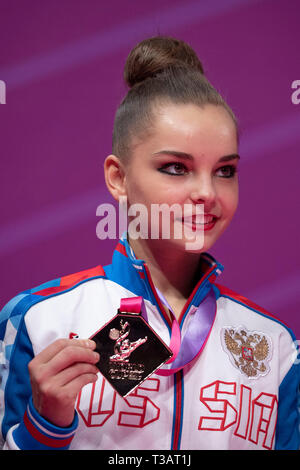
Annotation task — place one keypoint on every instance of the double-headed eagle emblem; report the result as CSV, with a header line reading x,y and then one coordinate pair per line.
x,y
249,351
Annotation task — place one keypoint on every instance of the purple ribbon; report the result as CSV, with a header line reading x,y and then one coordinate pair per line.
x,y
196,335
194,339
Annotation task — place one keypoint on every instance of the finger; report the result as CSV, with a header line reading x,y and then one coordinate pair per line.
x,y
69,356
53,349
67,375
64,396
57,404
75,385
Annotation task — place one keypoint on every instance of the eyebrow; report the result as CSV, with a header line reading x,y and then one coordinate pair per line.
x,y
188,156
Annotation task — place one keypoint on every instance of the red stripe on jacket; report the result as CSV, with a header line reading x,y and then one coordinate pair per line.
x,y
244,300
71,280
40,437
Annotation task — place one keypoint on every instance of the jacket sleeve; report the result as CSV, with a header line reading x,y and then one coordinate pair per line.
x,y
22,427
288,418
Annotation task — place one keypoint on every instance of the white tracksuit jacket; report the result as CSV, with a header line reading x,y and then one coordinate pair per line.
x,y
241,392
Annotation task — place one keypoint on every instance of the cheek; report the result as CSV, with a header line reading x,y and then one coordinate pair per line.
x,y
138,194
151,191
229,198
136,189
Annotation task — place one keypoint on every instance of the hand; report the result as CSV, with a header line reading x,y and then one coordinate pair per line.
x,y
58,373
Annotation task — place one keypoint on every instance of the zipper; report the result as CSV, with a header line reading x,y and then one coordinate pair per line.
x,y
178,406
178,377
194,291
156,298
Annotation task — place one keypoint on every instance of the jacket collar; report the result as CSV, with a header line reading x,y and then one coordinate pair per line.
x,y
133,274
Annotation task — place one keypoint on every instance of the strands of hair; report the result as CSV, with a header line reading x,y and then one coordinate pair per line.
x,y
158,71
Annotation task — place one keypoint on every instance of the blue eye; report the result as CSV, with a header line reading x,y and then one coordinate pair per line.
x,y
174,169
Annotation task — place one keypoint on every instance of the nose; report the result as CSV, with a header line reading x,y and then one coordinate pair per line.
x,y
203,191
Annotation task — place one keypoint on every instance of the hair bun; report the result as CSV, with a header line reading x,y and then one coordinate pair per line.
x,y
155,54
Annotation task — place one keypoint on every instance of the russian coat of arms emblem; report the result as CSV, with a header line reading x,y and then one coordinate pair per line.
x,y
249,351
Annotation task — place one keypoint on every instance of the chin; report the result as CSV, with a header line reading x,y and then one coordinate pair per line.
x,y
188,246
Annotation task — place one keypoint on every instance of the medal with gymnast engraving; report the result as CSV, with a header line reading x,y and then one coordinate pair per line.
x,y
130,351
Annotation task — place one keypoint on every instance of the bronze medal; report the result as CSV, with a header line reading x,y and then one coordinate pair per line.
x,y
130,351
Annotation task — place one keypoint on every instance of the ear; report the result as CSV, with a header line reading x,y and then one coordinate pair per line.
x,y
114,176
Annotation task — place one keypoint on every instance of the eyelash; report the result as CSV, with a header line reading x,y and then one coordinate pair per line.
x,y
232,169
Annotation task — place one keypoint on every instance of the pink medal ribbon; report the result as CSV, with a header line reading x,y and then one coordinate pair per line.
x,y
194,339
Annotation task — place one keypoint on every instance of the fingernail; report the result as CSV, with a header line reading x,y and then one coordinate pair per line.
x,y
89,343
97,356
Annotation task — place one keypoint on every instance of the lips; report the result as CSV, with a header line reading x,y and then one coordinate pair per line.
x,y
200,219
200,222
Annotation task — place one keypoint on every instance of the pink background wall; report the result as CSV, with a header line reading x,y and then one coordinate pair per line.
x,y
62,62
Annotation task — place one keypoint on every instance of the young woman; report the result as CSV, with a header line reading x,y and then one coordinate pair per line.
x,y
233,380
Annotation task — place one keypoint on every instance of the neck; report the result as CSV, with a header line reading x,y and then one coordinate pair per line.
x,y
174,273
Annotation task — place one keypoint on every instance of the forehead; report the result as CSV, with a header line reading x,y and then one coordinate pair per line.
x,y
190,121
188,127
